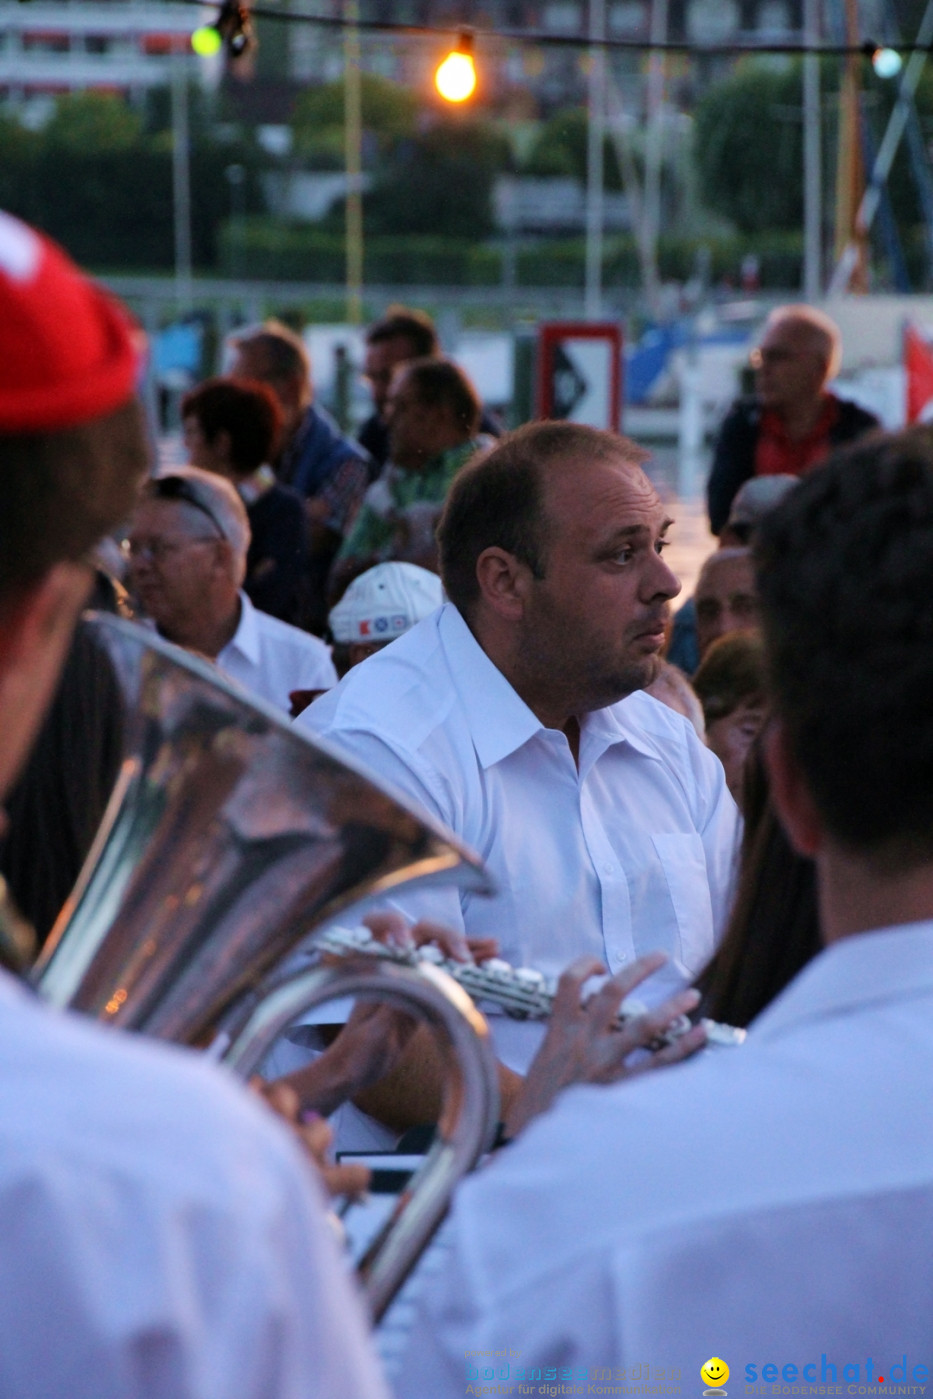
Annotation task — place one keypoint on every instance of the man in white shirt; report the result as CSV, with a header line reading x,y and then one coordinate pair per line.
x,y
188,542
513,715
769,1206
162,1233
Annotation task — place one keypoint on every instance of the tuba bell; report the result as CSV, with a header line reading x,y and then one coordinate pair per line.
x,y
228,839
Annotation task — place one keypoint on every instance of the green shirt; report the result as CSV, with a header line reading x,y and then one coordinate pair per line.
x,y
373,530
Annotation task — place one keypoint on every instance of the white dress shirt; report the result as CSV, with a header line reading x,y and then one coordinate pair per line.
x,y
634,851
162,1236
272,658
770,1205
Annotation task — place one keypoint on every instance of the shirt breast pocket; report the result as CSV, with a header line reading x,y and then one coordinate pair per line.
x,y
683,861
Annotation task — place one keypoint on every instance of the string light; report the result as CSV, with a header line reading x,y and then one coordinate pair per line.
x,y
455,78
206,41
545,40
232,29
887,63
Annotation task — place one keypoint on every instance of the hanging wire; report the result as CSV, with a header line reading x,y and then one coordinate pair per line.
x,y
868,48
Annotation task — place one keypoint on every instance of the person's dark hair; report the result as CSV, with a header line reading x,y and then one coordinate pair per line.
x,y
246,409
845,572
773,930
282,350
405,323
731,673
497,499
441,383
61,491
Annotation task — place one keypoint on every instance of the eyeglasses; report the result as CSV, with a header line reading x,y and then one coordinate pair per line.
x,y
179,488
157,550
773,355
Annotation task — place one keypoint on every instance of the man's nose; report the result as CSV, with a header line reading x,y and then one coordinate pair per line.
x,y
663,581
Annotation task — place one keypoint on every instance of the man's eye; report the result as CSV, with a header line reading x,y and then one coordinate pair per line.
x,y
625,555
661,545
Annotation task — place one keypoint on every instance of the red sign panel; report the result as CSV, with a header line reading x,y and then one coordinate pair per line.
x,y
580,372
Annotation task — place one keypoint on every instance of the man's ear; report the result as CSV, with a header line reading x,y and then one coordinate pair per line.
x,y
503,582
790,794
297,391
225,561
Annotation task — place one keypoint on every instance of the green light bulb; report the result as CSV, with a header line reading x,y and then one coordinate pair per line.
x,y
206,41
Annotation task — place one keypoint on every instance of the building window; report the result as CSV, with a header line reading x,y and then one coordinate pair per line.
x,y
773,17
712,21
45,42
628,19
562,17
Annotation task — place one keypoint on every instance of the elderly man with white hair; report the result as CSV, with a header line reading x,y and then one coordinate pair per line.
x,y
187,546
793,421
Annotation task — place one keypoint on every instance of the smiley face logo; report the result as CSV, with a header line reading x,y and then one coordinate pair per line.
x,y
715,1372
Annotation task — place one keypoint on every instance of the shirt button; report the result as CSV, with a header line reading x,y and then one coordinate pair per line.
x,y
610,869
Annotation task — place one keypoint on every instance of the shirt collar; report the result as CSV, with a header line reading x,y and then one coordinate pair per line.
x,y
617,723
859,970
500,721
773,423
246,637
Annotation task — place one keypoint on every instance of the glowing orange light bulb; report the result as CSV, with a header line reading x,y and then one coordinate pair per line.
x,y
455,78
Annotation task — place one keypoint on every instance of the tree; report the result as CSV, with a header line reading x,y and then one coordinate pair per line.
x,y
440,182
749,148
92,121
390,114
561,149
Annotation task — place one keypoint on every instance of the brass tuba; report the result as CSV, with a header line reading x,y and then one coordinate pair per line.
x,y
229,837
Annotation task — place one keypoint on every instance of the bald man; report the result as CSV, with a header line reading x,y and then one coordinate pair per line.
x,y
793,421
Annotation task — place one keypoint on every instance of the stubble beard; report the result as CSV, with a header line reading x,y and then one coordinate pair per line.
x,y
579,684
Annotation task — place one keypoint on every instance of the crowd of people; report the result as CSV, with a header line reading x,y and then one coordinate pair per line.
x,y
499,613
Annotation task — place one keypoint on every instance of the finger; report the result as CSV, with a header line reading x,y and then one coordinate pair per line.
x,y
451,942
483,948
389,927
661,1017
638,971
567,1004
283,1100
681,1048
347,1180
645,1030
318,1135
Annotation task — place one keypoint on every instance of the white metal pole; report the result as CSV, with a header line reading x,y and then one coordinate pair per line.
x,y
812,159
654,148
181,179
353,145
596,129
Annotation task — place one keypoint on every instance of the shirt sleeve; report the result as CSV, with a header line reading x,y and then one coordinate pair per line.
x,y
420,785
321,671
343,493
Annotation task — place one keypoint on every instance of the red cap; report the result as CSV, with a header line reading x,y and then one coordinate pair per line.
x,y
68,351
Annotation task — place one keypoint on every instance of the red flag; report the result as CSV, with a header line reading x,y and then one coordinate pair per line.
x,y
918,366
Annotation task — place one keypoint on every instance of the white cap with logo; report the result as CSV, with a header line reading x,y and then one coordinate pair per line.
x,y
385,602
